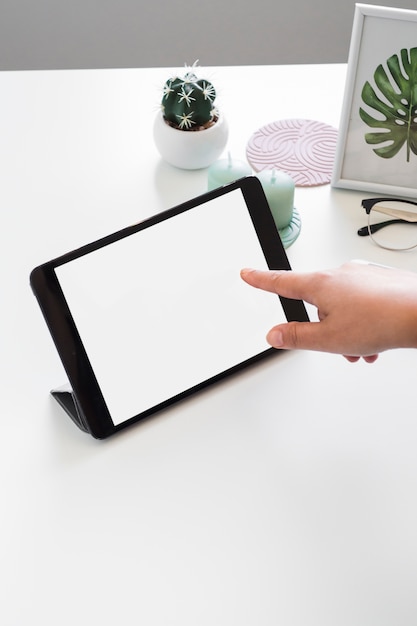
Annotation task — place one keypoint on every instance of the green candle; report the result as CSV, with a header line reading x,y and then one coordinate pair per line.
x,y
279,190
226,171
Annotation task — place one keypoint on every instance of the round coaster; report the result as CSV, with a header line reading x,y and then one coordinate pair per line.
x,y
304,149
290,233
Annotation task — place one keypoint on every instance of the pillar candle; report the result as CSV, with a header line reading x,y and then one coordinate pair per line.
x,y
279,190
226,171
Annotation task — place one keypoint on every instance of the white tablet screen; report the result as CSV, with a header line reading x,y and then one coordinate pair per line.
x,y
165,309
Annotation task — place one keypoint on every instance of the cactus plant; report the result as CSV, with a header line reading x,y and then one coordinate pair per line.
x,y
187,107
188,102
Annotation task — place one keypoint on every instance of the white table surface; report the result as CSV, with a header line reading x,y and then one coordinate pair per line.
x,y
284,495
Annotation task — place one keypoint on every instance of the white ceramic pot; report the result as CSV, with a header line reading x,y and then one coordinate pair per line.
x,y
190,150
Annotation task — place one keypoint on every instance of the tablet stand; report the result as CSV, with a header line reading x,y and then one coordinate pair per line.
x,y
68,401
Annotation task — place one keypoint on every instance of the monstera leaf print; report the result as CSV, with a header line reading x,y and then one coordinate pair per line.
x,y
395,99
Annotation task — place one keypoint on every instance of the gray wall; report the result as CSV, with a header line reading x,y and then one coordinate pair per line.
x,y
54,34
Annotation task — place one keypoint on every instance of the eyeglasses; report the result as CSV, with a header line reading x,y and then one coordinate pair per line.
x,y
392,223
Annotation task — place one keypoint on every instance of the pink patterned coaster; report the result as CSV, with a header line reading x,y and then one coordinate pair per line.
x,y
304,149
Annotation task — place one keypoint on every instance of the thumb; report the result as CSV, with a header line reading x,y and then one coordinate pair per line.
x,y
295,335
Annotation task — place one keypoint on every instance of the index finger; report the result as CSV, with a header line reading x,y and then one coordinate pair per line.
x,y
285,283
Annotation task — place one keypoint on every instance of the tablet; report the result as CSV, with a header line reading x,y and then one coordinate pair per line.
x,y
152,313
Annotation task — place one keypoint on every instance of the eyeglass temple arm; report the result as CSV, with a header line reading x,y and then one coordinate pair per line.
x,y
407,216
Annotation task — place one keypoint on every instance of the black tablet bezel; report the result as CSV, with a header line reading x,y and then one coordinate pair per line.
x,y
64,332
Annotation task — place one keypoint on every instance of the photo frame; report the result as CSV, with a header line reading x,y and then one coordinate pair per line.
x,y
377,142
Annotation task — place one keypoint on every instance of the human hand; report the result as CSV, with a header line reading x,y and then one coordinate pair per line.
x,y
362,309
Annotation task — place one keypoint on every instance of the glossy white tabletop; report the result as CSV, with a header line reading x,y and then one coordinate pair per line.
x,y
284,495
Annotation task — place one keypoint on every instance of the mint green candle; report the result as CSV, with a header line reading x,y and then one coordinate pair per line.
x,y
279,190
226,171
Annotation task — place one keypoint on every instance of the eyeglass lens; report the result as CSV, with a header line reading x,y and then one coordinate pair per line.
x,y
393,224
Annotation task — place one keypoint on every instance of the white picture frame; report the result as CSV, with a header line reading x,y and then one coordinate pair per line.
x,y
379,34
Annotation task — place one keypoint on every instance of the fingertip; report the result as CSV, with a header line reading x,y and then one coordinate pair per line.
x,y
371,359
275,338
250,276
